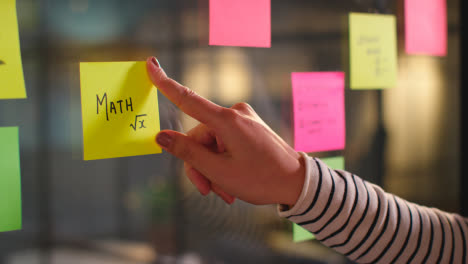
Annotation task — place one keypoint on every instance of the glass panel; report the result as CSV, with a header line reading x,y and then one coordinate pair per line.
x,y
143,209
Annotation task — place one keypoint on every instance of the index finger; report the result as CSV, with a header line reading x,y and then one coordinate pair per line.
x,y
186,99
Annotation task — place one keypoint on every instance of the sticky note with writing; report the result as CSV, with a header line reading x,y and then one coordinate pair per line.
x,y
244,23
11,69
10,180
373,51
426,27
300,233
319,116
119,110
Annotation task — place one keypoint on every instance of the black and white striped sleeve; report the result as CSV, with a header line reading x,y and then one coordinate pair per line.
x,y
368,225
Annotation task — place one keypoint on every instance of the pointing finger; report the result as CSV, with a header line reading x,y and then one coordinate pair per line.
x,y
186,99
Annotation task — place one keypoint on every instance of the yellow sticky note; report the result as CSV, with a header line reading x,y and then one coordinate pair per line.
x,y
11,69
120,110
373,51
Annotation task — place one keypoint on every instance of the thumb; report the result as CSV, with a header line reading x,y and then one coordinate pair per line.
x,y
193,153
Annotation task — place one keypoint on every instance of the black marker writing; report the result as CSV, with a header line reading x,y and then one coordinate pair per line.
x,y
142,124
142,121
307,105
314,131
113,107
99,102
367,39
373,51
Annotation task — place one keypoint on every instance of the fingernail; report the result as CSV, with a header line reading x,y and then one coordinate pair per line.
x,y
164,139
227,199
155,62
205,192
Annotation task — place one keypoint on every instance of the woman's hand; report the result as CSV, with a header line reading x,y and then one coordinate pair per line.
x,y
232,152
205,136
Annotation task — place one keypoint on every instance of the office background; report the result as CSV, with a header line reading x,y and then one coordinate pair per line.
x,y
143,209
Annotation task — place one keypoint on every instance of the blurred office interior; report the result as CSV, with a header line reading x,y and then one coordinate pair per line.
x,y
143,209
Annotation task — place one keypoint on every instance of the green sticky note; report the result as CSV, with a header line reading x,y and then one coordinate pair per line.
x,y
373,51
336,163
10,180
301,234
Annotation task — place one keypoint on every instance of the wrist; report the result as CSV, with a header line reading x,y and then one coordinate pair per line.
x,y
297,182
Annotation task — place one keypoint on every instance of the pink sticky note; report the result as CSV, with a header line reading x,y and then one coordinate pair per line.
x,y
426,27
319,114
245,23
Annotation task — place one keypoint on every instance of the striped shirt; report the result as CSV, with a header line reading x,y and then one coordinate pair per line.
x,y
367,225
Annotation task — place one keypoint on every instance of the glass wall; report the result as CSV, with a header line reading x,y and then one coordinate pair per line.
x,y
143,209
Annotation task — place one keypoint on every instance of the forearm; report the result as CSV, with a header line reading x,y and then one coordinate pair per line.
x,y
361,221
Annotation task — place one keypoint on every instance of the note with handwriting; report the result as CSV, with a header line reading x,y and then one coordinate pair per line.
x,y
301,234
319,113
244,23
373,51
11,68
120,111
10,180
426,27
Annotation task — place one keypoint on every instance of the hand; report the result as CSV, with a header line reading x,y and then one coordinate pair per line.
x,y
232,151
203,135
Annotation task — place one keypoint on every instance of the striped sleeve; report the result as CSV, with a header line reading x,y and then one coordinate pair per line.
x,y
368,225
